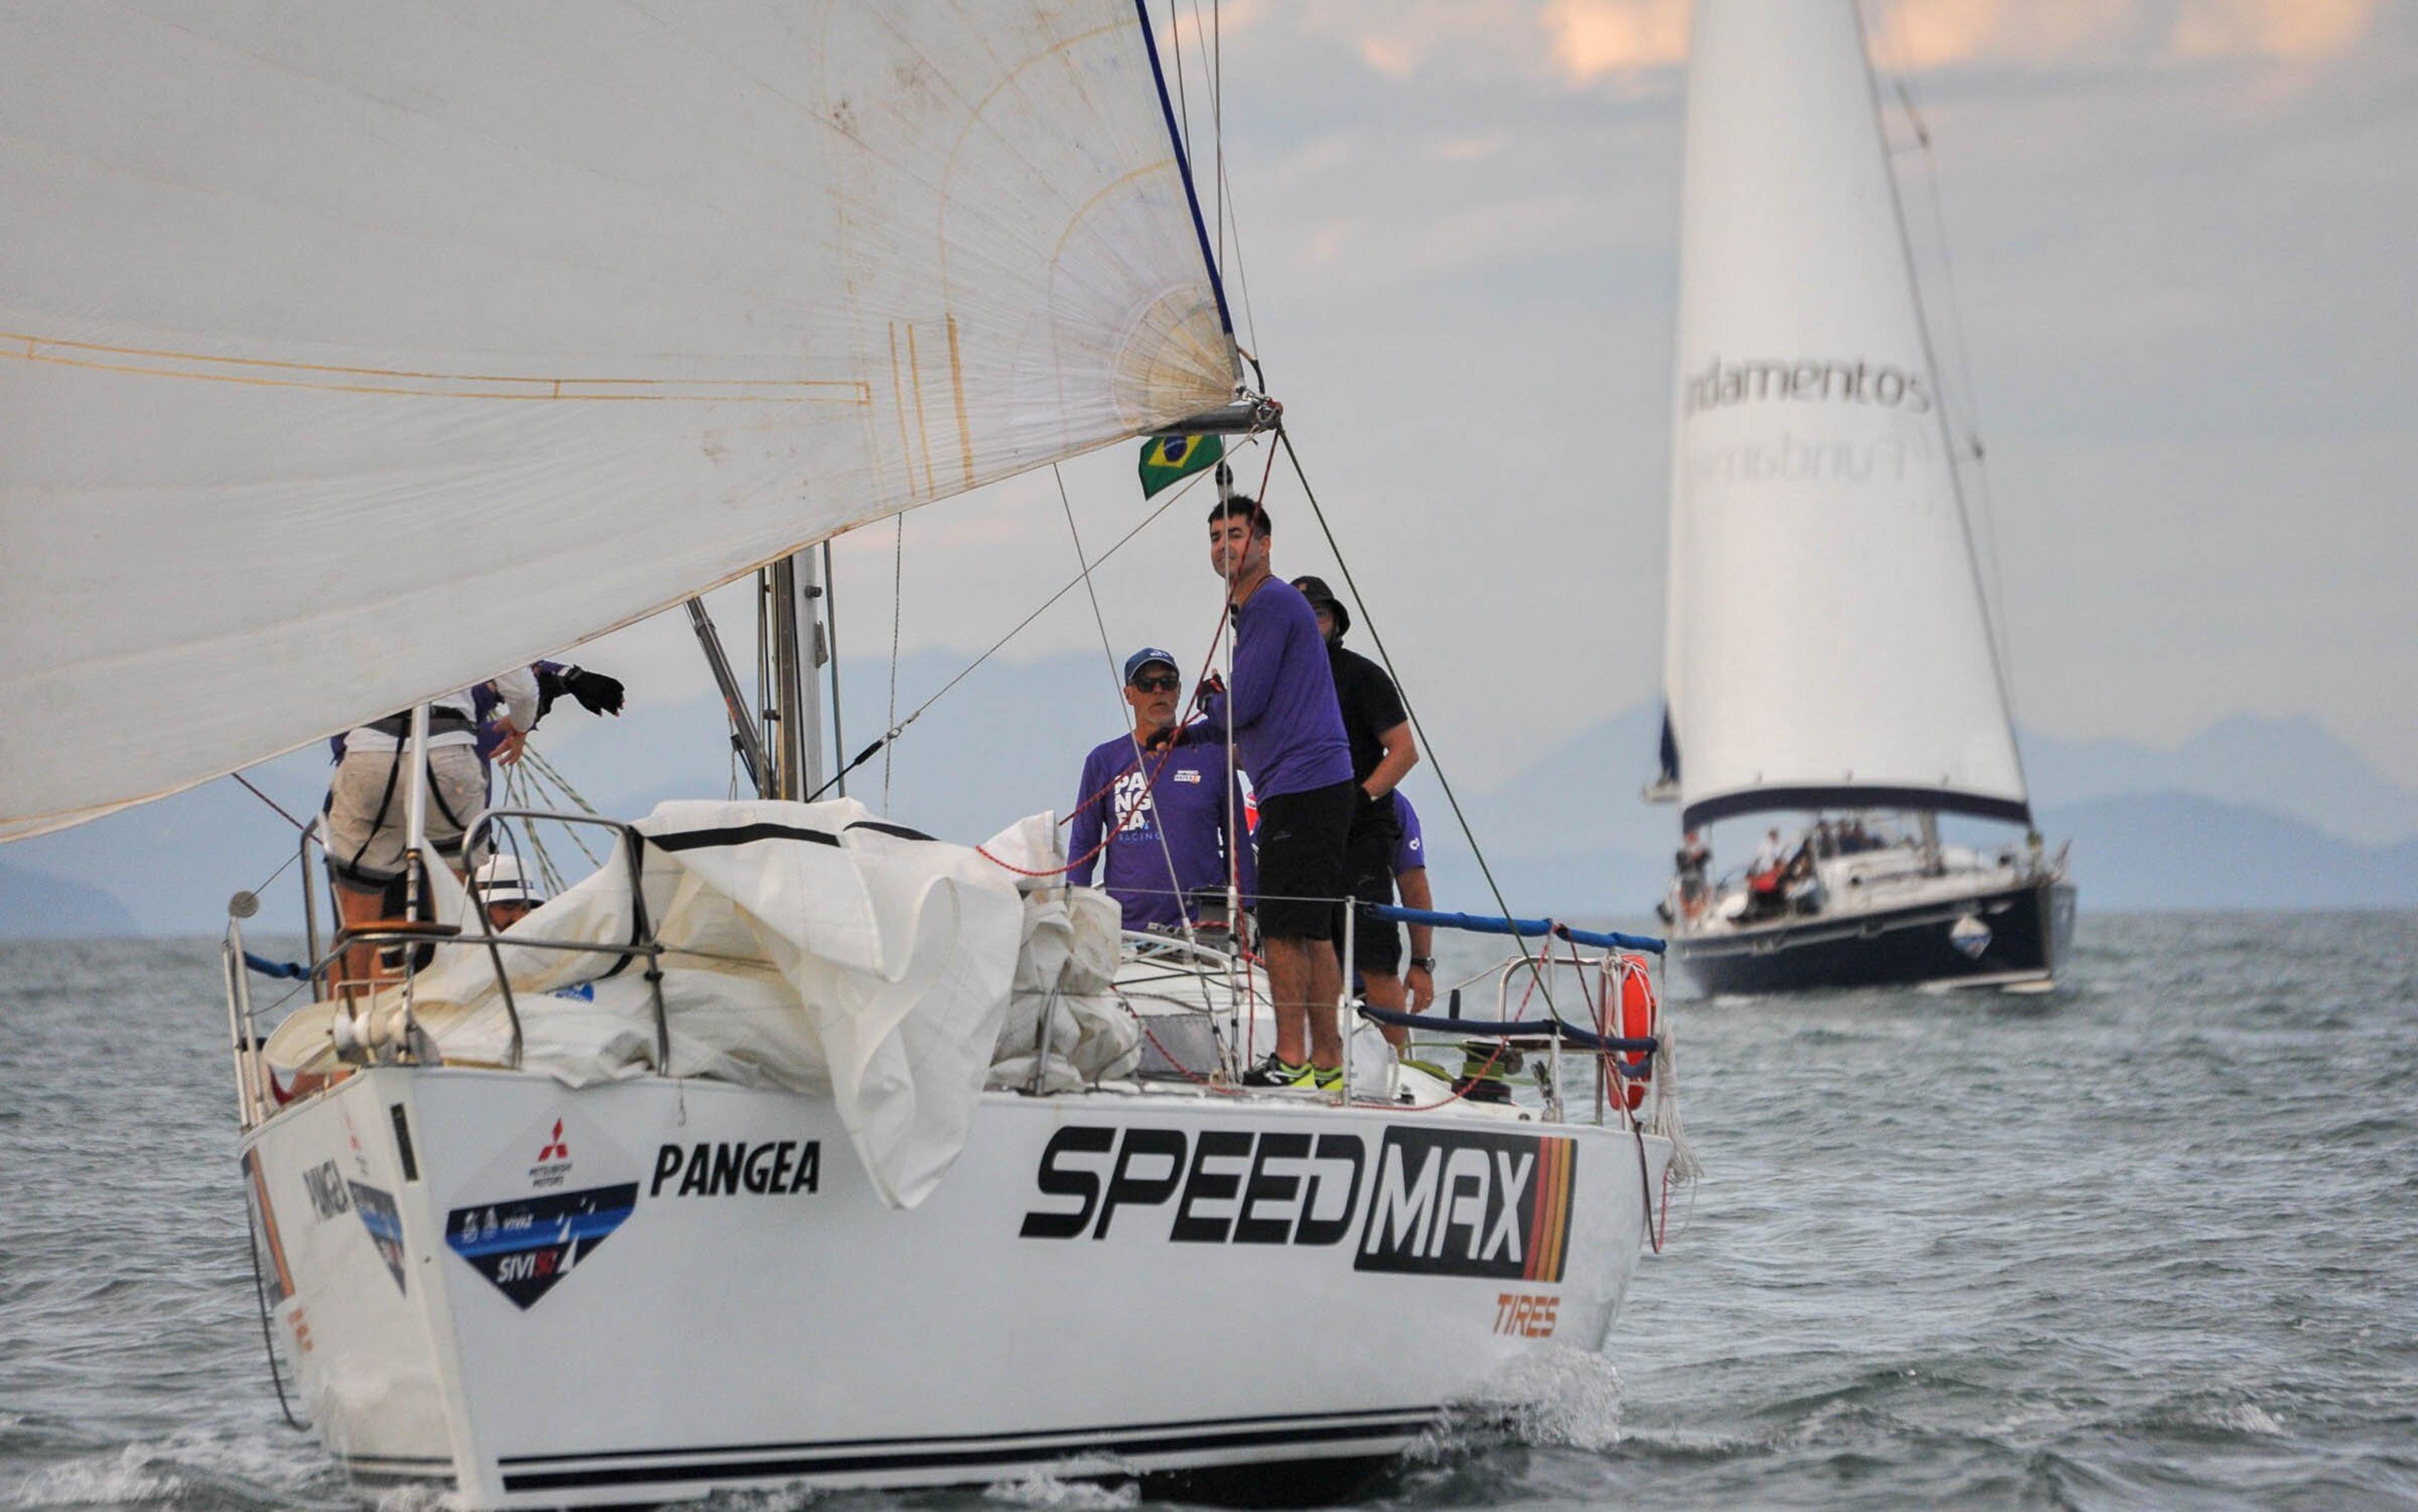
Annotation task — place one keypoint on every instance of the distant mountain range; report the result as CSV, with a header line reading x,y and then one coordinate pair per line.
x,y
2248,814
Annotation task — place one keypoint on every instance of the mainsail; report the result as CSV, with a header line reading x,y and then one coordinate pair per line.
x,y
1828,641
352,354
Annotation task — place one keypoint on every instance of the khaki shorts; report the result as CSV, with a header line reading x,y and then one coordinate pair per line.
x,y
370,798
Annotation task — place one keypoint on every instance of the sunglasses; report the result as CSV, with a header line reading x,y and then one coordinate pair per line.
x,y
1159,682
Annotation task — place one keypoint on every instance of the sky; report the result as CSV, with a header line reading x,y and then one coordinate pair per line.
x,y
2179,236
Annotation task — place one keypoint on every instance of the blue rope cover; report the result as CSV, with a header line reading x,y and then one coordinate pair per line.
x,y
1543,1029
262,964
1484,924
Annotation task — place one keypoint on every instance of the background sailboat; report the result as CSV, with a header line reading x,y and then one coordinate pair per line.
x,y
1830,649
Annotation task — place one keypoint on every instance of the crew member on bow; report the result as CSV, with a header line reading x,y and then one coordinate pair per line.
x,y
502,888
1289,729
1383,752
1171,812
367,797
595,692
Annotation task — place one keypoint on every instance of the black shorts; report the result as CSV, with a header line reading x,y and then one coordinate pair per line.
x,y
1369,877
1300,843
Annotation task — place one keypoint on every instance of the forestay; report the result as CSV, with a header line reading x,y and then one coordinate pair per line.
x,y
1827,642
352,354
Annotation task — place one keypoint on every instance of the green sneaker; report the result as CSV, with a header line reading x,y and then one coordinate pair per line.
x,y
1271,1072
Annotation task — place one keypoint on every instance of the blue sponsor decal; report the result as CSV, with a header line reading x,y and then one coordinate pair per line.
x,y
526,1245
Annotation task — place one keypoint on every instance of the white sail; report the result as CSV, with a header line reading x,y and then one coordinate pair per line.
x,y
1828,643
350,354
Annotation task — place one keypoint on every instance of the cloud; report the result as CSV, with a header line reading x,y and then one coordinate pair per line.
x,y
1472,149
1920,34
2294,30
1620,40
1925,34
1640,44
1400,38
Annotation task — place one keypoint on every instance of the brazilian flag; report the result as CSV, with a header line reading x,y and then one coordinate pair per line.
x,y
1167,459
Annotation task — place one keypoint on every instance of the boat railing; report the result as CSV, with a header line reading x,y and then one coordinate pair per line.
x,y
361,1038
356,1034
1617,1057
1590,954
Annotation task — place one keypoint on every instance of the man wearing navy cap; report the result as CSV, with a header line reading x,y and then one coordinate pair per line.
x,y
1168,813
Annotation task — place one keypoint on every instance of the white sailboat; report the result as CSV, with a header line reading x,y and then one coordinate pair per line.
x,y
1828,651
352,357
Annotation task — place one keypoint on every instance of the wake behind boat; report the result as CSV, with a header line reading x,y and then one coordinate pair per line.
x,y
1830,652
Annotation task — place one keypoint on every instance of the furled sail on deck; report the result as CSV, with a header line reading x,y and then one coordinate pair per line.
x,y
1827,642
352,354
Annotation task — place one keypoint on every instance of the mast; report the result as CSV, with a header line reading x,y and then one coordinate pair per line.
x,y
794,599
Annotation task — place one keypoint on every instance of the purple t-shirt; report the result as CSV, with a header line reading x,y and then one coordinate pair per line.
x,y
1411,852
1288,727
1182,817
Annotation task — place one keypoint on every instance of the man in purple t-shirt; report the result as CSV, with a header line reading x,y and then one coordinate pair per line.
x,y
1167,812
1289,731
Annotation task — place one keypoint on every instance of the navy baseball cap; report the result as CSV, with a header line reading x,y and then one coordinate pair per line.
x,y
1145,656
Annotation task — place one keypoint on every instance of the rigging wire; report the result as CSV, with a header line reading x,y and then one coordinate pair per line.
x,y
1175,40
1217,106
1369,622
270,802
1211,73
519,792
1133,733
1234,838
1983,579
898,594
1976,454
291,856
1230,230
898,727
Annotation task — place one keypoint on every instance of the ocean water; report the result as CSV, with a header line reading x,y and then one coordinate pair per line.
x,y
2150,1241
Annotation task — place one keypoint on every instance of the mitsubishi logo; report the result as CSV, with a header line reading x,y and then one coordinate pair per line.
x,y
556,1148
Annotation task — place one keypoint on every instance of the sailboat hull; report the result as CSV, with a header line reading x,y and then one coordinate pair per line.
x,y
2026,933
652,1289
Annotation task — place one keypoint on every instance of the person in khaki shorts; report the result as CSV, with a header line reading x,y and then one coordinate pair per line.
x,y
372,788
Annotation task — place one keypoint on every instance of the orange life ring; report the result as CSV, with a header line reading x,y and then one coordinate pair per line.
x,y
1639,1011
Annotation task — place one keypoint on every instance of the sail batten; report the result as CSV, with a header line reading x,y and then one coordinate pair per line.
x,y
1827,645
349,356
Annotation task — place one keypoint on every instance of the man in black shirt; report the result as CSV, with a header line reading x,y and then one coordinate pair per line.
x,y
1383,752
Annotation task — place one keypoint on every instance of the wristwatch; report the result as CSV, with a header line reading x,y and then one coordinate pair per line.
x,y
1423,963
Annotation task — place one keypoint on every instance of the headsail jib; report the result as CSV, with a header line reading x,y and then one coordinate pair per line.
x,y
564,315
1829,644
